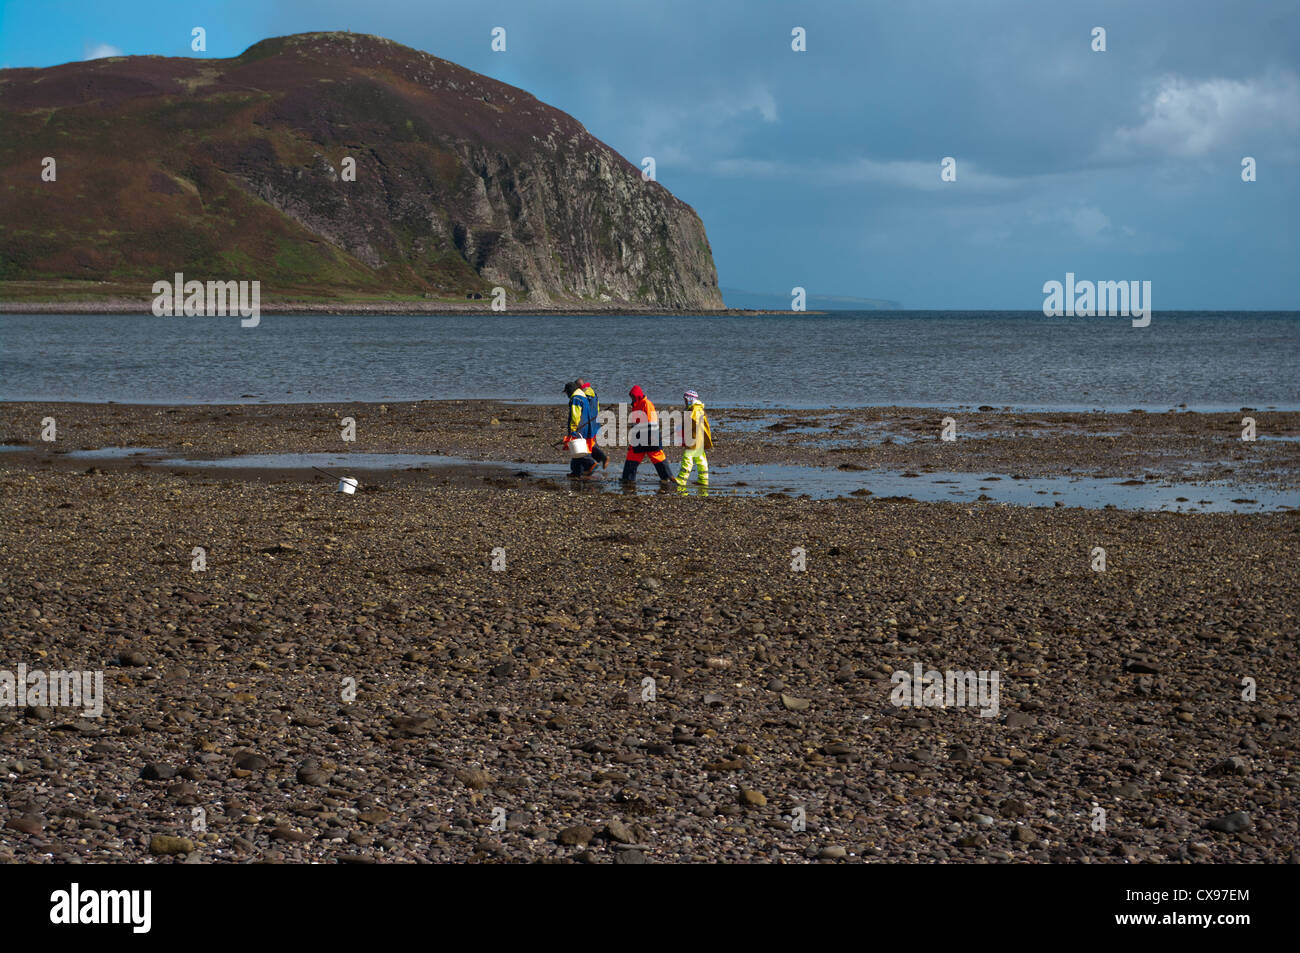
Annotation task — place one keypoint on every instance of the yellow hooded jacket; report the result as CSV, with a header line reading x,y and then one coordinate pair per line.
x,y
701,437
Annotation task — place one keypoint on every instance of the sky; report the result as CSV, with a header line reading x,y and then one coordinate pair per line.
x,y
821,169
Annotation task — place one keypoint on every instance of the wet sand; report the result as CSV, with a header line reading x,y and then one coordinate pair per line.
x,y
1181,446
520,695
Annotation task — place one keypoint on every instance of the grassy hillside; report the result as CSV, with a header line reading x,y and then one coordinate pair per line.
x,y
230,169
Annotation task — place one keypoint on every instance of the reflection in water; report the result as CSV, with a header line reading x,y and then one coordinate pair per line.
x,y
770,479
637,488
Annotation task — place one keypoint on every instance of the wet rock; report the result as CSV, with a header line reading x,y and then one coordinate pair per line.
x,y
250,761
167,844
313,773
579,835
618,831
290,835
1234,766
475,778
26,823
1233,823
411,726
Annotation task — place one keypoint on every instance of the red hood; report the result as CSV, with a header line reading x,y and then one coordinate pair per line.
x,y
636,393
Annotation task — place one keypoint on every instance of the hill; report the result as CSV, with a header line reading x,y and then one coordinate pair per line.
x,y
234,169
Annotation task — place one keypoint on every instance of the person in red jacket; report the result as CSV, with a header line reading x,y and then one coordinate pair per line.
x,y
643,438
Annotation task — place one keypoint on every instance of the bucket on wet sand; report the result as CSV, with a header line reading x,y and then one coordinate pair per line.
x,y
578,447
348,485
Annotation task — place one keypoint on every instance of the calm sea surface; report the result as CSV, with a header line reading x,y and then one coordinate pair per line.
x,y
1206,360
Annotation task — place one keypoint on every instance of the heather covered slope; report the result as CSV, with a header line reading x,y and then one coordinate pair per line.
x,y
230,169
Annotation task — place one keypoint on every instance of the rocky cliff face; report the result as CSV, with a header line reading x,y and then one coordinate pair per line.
x,y
235,169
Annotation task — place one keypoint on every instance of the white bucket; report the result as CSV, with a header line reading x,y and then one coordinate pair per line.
x,y
578,447
348,485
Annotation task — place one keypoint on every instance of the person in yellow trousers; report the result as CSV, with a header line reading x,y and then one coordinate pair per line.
x,y
698,439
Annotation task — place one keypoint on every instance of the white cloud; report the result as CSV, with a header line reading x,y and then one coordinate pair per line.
x,y
761,101
1086,221
897,173
918,174
1188,119
683,135
752,168
100,50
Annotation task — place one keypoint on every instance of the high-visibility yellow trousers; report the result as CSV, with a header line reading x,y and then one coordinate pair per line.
x,y
689,459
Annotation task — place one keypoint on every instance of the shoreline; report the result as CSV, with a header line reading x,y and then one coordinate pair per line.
x,y
253,400
143,307
1184,447
366,309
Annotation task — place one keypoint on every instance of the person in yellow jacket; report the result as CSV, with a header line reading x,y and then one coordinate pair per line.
x,y
698,439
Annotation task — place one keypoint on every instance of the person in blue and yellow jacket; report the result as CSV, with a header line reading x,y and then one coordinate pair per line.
x,y
582,425
597,452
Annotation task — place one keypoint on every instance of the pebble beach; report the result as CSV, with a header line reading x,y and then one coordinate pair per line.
x,y
495,665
